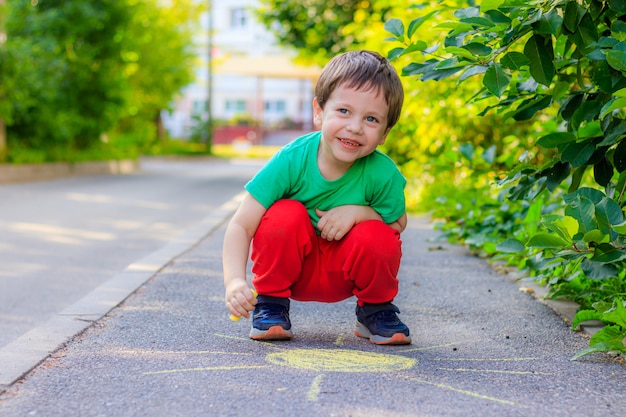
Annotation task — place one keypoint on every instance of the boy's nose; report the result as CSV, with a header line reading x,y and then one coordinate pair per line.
x,y
355,126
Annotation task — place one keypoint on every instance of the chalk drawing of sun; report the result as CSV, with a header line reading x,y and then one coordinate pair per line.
x,y
326,361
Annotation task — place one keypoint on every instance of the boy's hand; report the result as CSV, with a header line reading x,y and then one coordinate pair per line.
x,y
240,299
337,222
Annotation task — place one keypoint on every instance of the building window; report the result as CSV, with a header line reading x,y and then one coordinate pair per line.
x,y
235,106
276,106
199,106
238,18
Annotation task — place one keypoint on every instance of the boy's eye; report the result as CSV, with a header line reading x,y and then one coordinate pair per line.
x,y
371,119
343,111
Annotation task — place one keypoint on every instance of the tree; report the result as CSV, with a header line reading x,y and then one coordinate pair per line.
x,y
157,51
75,50
532,56
321,29
564,59
74,71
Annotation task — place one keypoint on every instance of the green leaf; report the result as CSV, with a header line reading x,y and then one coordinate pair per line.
x,y
553,140
603,172
489,154
539,51
548,24
618,30
596,236
618,5
577,153
608,339
577,178
528,108
620,228
589,110
592,129
416,23
457,27
570,105
607,253
616,57
608,213
617,315
611,337
585,315
471,71
487,5
514,61
586,35
593,195
496,80
597,270
614,132
395,27
613,104
477,49
613,343
556,174
619,157
566,226
467,150
573,15
478,21
511,246
583,210
547,241
394,53
455,50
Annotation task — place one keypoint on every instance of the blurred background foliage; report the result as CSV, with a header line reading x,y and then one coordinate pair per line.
x,y
75,70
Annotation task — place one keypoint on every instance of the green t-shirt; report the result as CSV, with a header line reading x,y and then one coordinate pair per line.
x,y
293,173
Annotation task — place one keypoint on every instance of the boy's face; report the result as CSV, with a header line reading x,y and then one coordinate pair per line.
x,y
353,123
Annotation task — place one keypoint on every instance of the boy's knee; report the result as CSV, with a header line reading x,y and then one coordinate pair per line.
x,y
377,237
284,213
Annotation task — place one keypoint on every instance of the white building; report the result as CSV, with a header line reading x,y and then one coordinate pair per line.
x,y
251,77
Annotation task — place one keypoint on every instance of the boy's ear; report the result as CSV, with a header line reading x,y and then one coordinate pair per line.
x,y
317,114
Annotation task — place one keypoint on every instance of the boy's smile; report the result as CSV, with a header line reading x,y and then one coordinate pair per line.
x,y
353,124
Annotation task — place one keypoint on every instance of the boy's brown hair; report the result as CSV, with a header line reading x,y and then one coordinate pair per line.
x,y
362,70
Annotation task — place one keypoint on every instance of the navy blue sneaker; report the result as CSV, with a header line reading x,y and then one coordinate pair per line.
x,y
380,324
270,319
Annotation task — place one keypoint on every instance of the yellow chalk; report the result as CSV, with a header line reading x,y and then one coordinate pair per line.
x,y
237,318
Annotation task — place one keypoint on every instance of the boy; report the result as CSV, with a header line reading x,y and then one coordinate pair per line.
x,y
324,215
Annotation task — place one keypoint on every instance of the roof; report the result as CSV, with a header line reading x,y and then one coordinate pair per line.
x,y
270,66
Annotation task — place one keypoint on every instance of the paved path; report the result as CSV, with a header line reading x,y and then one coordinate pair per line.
x,y
61,239
481,348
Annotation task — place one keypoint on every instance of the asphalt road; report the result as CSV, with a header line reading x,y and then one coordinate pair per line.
x,y
61,239
481,348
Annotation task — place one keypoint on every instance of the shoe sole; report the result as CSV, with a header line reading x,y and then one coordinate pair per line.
x,y
273,333
396,339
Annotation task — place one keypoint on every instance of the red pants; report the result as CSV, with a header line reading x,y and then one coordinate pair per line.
x,y
290,260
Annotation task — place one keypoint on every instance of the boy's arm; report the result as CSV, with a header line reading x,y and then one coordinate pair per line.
x,y
236,248
335,223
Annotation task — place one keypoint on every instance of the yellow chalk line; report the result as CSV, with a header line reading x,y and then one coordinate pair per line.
x,y
315,388
211,368
176,352
488,359
495,371
465,392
